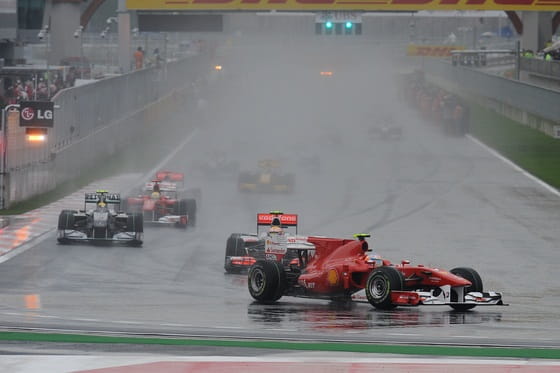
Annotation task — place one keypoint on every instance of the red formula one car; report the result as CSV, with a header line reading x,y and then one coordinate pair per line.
x,y
339,269
161,201
244,249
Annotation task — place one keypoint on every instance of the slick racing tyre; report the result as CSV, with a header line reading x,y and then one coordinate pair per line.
x,y
380,283
266,281
471,275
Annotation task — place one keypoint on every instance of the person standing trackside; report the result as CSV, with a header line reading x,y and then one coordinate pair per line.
x,y
139,58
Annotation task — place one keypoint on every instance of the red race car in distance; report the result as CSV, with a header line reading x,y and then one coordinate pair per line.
x,y
161,201
345,269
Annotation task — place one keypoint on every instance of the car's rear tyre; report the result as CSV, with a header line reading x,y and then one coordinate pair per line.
x,y
380,283
246,178
66,219
190,206
471,275
135,222
291,183
235,246
123,207
266,281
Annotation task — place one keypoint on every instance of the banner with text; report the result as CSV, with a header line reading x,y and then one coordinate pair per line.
x,y
431,50
358,5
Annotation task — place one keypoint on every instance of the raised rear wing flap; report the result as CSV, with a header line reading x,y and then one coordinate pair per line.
x,y
287,220
113,198
170,176
91,198
163,186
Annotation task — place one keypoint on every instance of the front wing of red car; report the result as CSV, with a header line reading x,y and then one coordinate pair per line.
x,y
426,298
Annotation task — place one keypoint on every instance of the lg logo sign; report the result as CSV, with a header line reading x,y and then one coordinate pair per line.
x,y
36,114
29,114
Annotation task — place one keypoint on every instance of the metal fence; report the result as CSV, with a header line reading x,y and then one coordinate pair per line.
x,y
533,99
543,68
93,122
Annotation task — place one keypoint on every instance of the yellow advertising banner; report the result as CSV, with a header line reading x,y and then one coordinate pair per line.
x,y
431,50
343,5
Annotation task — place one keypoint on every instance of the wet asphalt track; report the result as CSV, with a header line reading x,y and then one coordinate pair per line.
x,y
429,198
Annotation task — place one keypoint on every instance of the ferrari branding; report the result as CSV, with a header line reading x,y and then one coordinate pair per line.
x,y
332,277
431,50
340,5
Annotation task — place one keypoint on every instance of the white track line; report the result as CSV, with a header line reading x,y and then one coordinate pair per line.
x,y
548,187
42,236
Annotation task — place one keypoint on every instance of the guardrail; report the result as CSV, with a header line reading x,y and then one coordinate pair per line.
x,y
518,95
92,123
550,69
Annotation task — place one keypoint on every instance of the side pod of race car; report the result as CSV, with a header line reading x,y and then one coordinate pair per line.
x,y
341,269
101,220
161,203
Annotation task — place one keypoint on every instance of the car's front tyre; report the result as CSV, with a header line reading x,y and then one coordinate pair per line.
x,y
380,283
476,285
266,281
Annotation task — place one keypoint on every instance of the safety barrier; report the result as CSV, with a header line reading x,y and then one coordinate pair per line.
x,y
529,101
94,121
541,67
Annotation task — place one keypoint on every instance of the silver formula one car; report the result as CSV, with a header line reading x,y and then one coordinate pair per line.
x,y
101,220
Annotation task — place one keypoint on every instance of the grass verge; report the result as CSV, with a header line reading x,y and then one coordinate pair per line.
x,y
530,149
490,352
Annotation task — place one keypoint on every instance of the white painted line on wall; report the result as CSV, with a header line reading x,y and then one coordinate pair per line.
x,y
173,153
546,186
148,175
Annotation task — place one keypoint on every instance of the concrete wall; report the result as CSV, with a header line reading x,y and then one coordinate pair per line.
x,y
534,106
94,122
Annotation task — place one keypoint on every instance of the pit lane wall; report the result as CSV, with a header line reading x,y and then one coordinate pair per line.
x,y
95,121
531,105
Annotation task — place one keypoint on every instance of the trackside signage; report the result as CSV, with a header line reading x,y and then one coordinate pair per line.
x,y
358,5
36,114
431,50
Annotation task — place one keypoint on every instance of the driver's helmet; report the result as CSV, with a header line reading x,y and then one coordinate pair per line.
x,y
275,230
155,195
101,202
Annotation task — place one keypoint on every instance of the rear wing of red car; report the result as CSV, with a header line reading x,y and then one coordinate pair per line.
x,y
286,220
170,176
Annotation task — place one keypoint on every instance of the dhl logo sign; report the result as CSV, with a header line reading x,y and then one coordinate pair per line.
x,y
346,5
431,50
